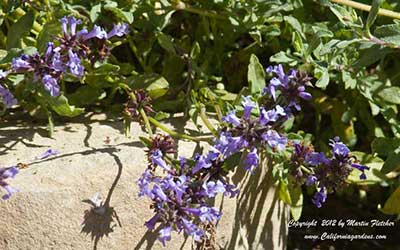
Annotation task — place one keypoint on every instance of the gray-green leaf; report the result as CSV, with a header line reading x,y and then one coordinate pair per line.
x,y
255,75
20,29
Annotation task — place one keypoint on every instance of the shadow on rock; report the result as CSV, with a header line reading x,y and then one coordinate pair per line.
x,y
260,218
99,225
101,220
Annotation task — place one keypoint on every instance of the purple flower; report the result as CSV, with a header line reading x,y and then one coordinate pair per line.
x,y
231,190
74,64
311,179
178,186
211,188
21,63
362,169
49,49
316,158
248,105
56,63
156,158
231,118
202,162
282,80
339,148
275,140
150,224
143,183
252,160
165,235
205,213
72,22
182,162
118,30
228,145
48,153
319,197
64,24
192,229
271,115
210,214
159,193
10,191
97,32
6,173
51,85
7,97
274,83
302,94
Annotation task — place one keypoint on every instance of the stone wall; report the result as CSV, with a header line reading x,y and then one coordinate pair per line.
x,y
49,212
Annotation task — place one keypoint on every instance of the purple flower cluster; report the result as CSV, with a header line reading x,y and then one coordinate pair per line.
x,y
290,86
181,195
67,58
6,173
328,174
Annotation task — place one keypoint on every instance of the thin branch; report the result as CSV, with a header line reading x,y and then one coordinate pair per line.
x,y
365,7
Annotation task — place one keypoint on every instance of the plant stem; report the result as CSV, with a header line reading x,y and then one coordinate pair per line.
x,y
365,7
172,133
138,57
146,122
306,170
141,111
204,118
50,125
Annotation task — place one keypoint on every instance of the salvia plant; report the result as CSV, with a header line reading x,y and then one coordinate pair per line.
x,y
332,85
181,189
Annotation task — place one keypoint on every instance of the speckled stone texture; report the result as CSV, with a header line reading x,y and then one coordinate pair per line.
x,y
48,212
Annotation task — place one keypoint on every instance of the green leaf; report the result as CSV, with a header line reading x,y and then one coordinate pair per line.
x,y
392,205
255,75
95,12
86,95
323,76
295,24
392,163
296,197
373,13
15,52
282,57
390,94
283,192
389,33
124,15
47,34
232,161
166,42
195,52
161,116
20,29
105,69
385,146
155,84
371,55
61,106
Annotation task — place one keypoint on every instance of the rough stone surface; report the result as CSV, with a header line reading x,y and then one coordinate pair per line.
x,y
48,212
